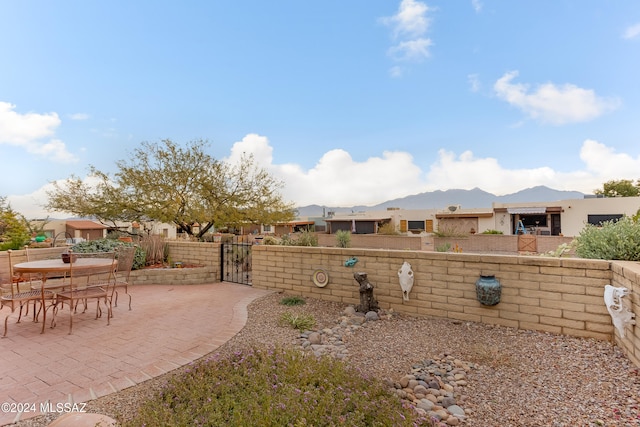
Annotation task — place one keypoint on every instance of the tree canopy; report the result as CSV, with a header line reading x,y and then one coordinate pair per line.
x,y
620,188
14,233
170,183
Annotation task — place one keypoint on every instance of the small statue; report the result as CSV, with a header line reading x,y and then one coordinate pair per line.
x,y
367,301
351,262
620,315
405,275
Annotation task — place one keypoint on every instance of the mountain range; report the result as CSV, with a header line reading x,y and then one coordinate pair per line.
x,y
466,199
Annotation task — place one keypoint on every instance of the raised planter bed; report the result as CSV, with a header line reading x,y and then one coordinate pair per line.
x,y
173,276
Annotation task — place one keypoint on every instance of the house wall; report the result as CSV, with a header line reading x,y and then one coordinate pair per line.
x,y
573,216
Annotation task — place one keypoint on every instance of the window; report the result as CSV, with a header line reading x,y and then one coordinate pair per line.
x,y
416,225
599,219
534,220
267,229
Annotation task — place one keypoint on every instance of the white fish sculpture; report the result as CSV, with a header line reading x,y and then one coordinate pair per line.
x,y
405,274
620,315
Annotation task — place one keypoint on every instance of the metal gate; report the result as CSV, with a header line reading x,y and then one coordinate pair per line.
x,y
236,260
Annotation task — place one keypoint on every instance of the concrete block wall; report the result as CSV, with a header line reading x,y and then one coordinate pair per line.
x,y
173,276
203,253
380,241
477,243
498,243
558,295
627,274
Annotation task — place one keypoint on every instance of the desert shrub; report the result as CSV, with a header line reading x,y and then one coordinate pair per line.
x,y
155,248
274,387
270,240
343,238
492,232
443,247
292,300
613,240
110,245
449,231
302,322
388,229
561,250
307,238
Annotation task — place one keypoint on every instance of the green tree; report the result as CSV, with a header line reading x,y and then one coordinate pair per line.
x,y
14,233
181,185
619,188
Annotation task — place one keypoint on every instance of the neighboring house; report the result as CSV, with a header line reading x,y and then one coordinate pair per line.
x,y
562,217
369,222
557,218
86,229
62,229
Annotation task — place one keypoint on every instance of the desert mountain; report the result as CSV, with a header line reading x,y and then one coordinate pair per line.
x,y
467,199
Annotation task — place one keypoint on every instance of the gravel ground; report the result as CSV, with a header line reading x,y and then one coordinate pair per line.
x,y
522,378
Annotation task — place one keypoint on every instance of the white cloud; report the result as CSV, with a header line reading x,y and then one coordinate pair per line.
x,y
31,205
474,82
477,5
411,50
632,32
396,72
27,131
18,129
79,116
252,144
338,180
410,21
553,104
408,27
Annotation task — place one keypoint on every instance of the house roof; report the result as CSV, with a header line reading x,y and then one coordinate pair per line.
x,y
358,219
85,225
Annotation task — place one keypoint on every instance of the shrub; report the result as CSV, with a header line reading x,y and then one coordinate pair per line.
x,y
109,245
155,248
388,229
449,231
613,240
344,238
274,387
292,300
307,238
561,250
270,240
443,247
302,322
492,232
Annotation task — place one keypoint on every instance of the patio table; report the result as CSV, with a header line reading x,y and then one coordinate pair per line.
x,y
46,267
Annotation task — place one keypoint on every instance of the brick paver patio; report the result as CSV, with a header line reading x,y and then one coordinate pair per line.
x,y
169,326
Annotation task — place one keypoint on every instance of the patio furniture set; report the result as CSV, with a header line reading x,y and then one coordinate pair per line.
x,y
72,281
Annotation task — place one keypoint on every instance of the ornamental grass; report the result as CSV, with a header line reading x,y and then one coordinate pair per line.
x,y
274,387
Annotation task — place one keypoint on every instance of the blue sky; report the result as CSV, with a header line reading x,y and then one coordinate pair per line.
x,y
347,102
